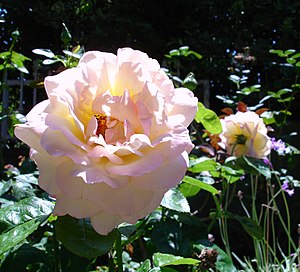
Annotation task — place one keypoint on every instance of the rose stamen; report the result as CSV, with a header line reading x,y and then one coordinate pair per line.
x,y
101,121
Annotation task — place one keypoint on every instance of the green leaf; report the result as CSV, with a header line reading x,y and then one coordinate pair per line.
x,y
296,56
161,259
5,186
291,60
5,55
289,52
145,266
268,117
189,190
280,53
17,61
184,49
162,269
174,52
78,236
254,166
24,210
251,227
44,52
197,55
22,190
71,54
28,178
230,174
209,119
25,256
65,35
234,78
50,61
284,91
249,90
190,82
175,200
276,51
203,164
167,237
202,185
16,235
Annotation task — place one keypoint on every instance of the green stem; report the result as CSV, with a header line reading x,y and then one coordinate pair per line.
x,y
118,246
57,264
223,226
111,266
257,246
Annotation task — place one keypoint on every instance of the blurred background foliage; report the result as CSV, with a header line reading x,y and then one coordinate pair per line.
x,y
216,29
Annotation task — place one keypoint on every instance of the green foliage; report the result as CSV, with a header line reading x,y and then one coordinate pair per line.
x,y
209,119
22,211
200,184
69,60
161,260
16,235
175,200
78,236
183,51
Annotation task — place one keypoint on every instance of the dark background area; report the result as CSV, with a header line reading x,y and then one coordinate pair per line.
x,y
215,29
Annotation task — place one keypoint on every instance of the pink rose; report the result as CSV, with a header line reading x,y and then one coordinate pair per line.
x,y
111,139
245,133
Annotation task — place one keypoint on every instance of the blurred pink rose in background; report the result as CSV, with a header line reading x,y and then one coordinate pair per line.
x,y
111,139
245,133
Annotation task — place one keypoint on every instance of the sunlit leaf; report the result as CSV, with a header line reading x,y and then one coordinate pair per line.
x,y
44,52
175,200
209,119
203,164
65,35
24,210
50,61
202,185
162,269
145,266
161,259
22,189
189,190
174,52
17,234
5,186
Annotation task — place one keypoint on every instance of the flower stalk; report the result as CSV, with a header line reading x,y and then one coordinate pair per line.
x,y
118,247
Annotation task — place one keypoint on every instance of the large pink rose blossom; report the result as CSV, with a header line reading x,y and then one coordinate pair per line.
x,y
245,133
111,139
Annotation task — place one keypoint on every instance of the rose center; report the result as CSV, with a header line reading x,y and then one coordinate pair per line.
x,y
104,122
241,139
101,124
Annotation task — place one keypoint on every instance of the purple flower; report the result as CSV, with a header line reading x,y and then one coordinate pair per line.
x,y
278,146
286,187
